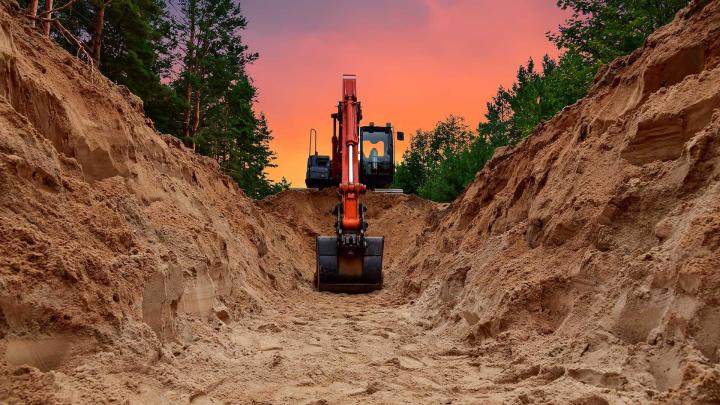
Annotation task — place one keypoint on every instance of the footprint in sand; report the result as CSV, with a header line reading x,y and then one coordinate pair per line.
x,y
346,350
405,363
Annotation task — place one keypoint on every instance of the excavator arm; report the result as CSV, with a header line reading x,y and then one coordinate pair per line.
x,y
349,261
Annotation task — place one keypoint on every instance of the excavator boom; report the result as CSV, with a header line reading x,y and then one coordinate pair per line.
x,y
350,261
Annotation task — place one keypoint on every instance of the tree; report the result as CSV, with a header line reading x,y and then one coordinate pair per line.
x,y
602,30
32,8
452,175
214,58
534,97
47,16
218,96
130,41
188,67
98,27
136,52
428,149
597,32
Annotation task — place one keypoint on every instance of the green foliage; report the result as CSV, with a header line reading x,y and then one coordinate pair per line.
x,y
602,30
134,52
441,162
597,32
164,107
454,173
187,63
433,170
219,120
428,149
132,39
535,97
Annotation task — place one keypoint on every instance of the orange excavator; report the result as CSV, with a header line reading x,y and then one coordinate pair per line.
x,y
350,261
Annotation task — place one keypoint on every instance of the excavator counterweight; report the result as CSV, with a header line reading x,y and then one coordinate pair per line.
x,y
349,261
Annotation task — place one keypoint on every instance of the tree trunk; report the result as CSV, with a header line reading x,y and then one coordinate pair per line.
x,y
97,33
188,72
47,15
32,10
196,116
188,100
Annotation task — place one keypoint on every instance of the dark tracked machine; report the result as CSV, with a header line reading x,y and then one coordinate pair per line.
x,y
350,261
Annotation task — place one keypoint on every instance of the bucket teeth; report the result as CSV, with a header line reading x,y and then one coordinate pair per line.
x,y
357,273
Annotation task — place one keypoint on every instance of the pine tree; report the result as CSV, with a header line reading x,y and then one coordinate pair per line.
x,y
130,41
218,118
597,32
214,58
197,48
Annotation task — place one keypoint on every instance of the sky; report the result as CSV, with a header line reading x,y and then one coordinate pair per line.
x,y
416,61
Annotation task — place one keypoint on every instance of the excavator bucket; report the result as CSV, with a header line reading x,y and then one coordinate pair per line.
x,y
349,273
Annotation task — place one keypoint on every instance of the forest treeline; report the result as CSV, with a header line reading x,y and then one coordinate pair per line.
x,y
186,60
441,162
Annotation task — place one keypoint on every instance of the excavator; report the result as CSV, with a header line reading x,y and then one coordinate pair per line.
x,y
350,261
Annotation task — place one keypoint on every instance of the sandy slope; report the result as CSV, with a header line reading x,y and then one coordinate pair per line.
x,y
397,217
594,244
580,267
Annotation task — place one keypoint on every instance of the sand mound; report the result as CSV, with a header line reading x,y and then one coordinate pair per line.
x,y
109,230
397,217
592,249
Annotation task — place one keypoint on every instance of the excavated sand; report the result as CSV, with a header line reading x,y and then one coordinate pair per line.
x,y
587,258
582,266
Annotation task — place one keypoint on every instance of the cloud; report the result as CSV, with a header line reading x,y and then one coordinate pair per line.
x,y
279,18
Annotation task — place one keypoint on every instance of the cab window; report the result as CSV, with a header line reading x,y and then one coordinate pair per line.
x,y
375,146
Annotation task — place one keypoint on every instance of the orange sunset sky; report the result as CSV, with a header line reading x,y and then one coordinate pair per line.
x,y
417,61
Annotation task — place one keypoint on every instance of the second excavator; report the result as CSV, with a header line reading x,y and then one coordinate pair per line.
x,y
350,261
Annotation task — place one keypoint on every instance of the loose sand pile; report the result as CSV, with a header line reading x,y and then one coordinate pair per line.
x,y
582,266
112,234
590,252
397,217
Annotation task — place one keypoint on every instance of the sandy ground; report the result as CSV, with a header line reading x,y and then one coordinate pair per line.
x,y
337,349
326,348
323,348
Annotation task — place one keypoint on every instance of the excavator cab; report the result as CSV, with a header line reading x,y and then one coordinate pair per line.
x,y
377,155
